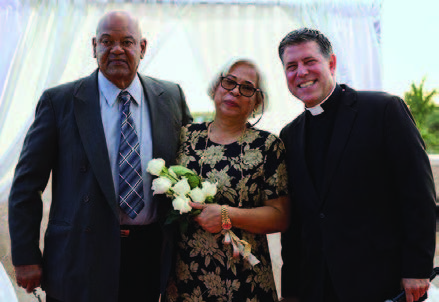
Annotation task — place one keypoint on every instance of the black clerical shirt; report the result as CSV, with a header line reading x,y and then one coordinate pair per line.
x,y
318,133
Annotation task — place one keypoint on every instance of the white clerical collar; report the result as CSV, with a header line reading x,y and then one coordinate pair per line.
x,y
318,109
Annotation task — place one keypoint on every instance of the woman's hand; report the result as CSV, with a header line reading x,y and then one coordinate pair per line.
x,y
272,217
209,218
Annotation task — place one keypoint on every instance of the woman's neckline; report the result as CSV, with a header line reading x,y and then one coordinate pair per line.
x,y
237,140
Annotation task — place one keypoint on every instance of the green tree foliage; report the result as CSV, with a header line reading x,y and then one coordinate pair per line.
x,y
426,114
200,117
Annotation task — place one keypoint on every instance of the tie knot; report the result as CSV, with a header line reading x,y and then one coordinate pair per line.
x,y
124,96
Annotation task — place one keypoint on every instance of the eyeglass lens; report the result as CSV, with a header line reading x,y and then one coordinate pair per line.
x,y
244,89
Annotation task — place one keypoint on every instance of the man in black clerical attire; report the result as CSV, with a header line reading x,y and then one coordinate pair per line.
x,y
362,191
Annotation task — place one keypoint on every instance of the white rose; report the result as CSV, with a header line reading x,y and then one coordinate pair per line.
x,y
155,166
181,203
161,185
182,187
209,189
197,195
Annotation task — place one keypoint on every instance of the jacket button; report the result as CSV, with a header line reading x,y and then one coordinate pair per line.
x,y
87,229
86,198
322,215
83,168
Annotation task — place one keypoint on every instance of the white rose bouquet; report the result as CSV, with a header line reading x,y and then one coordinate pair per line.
x,y
182,185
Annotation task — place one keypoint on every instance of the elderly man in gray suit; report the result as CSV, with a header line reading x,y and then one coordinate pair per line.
x,y
104,239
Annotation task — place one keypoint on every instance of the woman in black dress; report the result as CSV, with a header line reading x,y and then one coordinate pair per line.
x,y
249,168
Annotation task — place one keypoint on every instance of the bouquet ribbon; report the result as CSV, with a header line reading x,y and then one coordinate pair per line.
x,y
240,247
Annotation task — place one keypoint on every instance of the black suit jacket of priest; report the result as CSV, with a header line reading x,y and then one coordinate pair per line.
x,y
365,214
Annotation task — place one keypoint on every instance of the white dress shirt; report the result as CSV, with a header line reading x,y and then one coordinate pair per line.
x,y
110,113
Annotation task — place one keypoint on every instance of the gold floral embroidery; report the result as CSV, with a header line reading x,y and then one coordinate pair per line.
x,y
211,156
172,291
251,158
182,270
183,133
185,159
206,268
279,179
213,282
231,287
251,239
194,138
243,189
264,277
205,245
194,266
196,296
271,139
250,136
232,261
223,180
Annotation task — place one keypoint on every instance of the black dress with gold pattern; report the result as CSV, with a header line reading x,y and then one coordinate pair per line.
x,y
247,172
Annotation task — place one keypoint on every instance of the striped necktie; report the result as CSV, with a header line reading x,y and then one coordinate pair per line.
x,y
130,169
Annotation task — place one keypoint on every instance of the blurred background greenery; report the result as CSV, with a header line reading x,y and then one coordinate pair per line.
x,y
426,113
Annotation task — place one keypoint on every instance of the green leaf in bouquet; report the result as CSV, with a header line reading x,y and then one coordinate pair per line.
x,y
164,172
195,212
210,199
172,217
172,173
193,180
169,174
181,171
184,224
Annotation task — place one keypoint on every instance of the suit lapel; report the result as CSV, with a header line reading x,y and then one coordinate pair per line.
x,y
158,112
342,128
91,130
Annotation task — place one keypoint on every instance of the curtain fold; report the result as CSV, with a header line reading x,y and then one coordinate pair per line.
x,y
48,42
38,63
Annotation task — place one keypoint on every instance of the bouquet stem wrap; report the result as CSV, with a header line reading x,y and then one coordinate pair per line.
x,y
240,247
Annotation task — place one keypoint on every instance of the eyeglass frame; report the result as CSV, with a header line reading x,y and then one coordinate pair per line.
x,y
239,87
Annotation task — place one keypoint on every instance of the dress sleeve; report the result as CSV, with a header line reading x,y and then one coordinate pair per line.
x,y
275,172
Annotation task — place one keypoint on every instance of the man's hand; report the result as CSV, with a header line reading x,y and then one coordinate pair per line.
x,y
28,276
415,288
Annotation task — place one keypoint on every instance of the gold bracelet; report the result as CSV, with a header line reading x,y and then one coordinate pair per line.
x,y
225,219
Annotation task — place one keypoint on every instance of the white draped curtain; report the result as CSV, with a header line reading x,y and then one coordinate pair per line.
x,y
45,43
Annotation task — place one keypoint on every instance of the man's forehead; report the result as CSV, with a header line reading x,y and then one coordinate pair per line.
x,y
118,22
302,50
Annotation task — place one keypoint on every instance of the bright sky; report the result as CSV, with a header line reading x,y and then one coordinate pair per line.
x,y
410,44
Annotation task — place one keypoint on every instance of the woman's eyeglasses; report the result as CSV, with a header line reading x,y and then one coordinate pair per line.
x,y
244,89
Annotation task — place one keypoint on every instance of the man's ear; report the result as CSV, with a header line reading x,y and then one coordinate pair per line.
x,y
143,44
332,63
93,42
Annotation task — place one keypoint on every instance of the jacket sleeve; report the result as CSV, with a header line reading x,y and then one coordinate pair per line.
x,y
31,176
187,117
415,189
